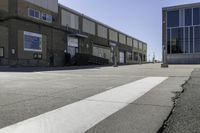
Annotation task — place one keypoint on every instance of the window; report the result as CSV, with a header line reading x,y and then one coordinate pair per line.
x,y
197,39
46,17
196,16
186,40
49,18
173,18
191,40
188,17
34,13
177,40
1,52
168,42
42,16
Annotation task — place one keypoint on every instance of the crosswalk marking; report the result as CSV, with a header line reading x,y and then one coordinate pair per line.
x,y
83,115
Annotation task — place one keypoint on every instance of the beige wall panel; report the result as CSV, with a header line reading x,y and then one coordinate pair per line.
x,y
69,19
51,5
122,38
140,45
102,31
129,41
88,26
135,43
113,35
144,47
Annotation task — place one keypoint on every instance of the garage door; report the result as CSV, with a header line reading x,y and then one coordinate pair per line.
x,y
121,57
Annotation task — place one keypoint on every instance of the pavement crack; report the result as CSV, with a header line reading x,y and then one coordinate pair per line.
x,y
175,99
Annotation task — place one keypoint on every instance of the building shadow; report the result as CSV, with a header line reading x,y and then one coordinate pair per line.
x,y
43,69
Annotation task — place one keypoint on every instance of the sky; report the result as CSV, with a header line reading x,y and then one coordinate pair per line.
x,y
141,19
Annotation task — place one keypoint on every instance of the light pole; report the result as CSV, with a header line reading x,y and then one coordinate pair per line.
x,y
164,64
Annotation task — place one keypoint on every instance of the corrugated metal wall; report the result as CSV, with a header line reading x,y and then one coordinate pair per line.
x,y
88,26
113,35
102,31
129,41
122,38
69,19
51,5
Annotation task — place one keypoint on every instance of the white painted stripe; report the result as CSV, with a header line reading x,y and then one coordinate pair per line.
x,y
81,116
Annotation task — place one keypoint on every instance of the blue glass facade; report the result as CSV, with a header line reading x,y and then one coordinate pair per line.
x,y
183,31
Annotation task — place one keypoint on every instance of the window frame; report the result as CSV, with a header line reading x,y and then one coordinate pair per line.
x,y
34,13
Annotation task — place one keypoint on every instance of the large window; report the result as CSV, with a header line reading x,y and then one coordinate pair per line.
x,y
197,39
1,52
191,40
187,39
173,18
196,16
168,42
177,40
188,17
32,42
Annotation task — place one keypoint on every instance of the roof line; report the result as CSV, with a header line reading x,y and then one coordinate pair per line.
x,y
87,17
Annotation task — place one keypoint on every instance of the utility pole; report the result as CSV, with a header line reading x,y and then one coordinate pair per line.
x,y
164,45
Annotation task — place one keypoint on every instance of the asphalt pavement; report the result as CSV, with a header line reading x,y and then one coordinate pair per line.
x,y
31,92
185,117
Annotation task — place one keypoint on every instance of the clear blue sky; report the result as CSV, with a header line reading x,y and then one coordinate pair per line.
x,y
139,18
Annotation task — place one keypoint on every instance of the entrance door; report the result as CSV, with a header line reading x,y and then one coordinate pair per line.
x,y
121,57
72,51
72,46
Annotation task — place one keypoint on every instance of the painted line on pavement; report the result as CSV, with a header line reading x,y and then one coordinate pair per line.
x,y
83,115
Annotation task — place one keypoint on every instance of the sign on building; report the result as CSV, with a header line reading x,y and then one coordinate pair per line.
x,y
32,42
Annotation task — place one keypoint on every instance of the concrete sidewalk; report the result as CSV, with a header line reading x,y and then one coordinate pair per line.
x,y
185,117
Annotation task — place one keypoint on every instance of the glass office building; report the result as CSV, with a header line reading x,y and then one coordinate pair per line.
x,y
181,33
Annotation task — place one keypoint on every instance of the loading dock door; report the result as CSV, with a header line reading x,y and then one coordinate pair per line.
x,y
121,57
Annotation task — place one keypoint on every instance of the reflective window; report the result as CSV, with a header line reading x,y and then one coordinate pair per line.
x,y
177,40
168,42
173,18
196,16
191,40
197,39
188,17
33,13
186,40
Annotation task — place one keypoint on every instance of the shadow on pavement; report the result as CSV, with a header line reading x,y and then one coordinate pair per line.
x,y
40,69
